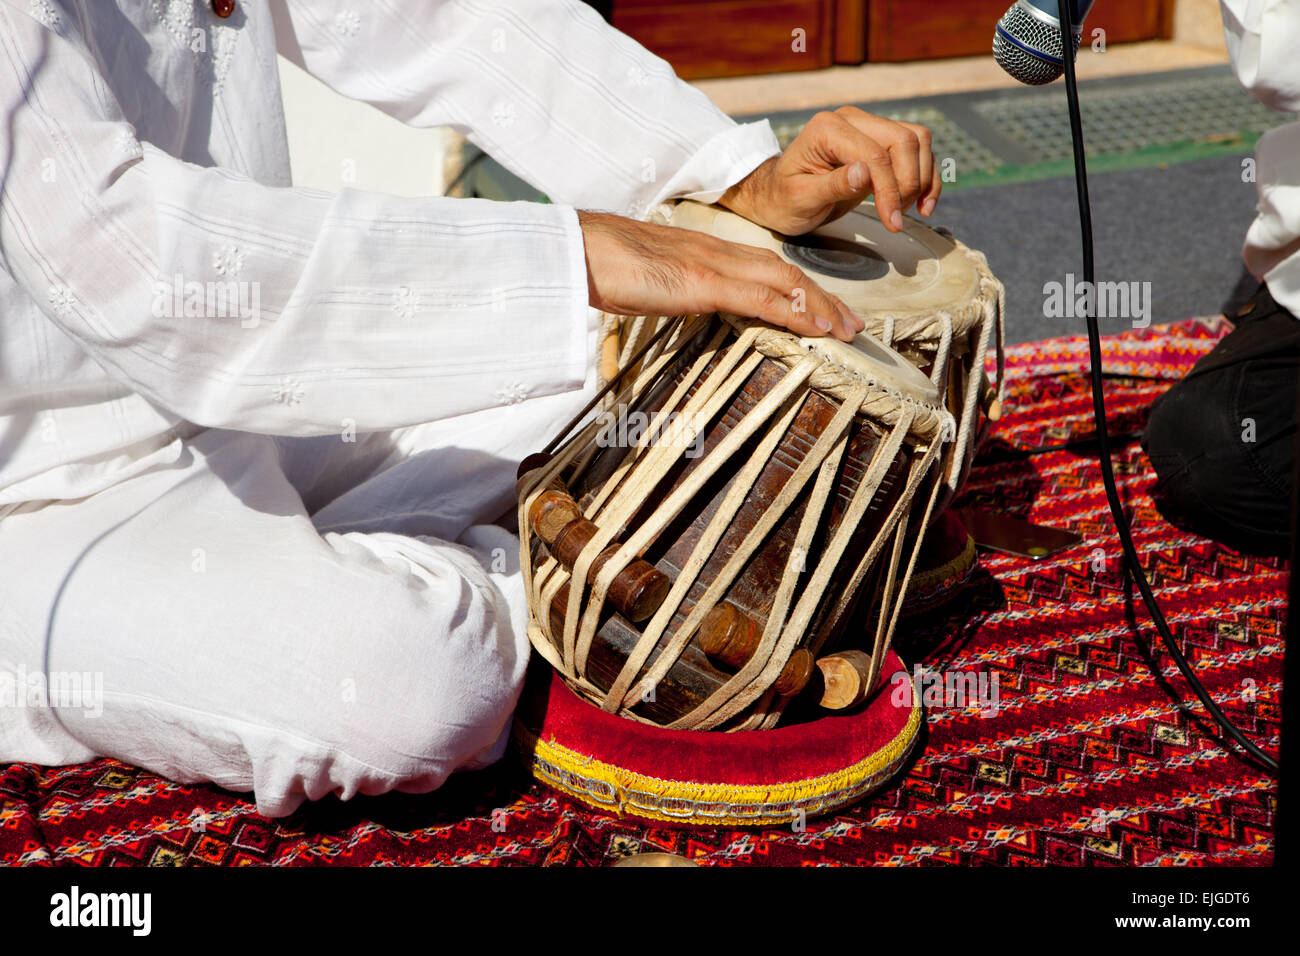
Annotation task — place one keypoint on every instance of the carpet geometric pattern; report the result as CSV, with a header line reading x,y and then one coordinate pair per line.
x,y
1088,758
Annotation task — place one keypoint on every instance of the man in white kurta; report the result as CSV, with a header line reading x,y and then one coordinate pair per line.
x,y
255,611
253,438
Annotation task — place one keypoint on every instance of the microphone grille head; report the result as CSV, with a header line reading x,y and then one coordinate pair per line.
x,y
1027,44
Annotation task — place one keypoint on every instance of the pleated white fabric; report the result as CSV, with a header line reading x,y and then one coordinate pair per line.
x,y
253,438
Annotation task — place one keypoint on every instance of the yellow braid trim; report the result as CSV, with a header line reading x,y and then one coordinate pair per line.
x,y
958,566
616,790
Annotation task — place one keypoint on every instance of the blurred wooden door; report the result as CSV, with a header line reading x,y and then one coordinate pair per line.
x,y
929,29
702,38
730,37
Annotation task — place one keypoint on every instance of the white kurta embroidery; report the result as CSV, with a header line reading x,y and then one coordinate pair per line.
x,y
289,392
44,11
406,302
504,114
128,145
61,299
228,261
347,23
512,393
224,40
177,17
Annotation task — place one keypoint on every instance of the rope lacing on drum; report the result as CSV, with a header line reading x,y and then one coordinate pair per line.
x,y
641,473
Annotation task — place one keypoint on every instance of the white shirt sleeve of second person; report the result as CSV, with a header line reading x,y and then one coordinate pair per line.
x,y
1263,38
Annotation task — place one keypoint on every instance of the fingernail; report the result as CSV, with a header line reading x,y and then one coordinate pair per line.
x,y
856,178
896,219
821,323
928,207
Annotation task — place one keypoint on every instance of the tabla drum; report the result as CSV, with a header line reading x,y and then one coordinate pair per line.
x,y
920,291
693,555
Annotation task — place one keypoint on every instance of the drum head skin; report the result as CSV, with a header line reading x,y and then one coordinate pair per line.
x,y
705,778
912,274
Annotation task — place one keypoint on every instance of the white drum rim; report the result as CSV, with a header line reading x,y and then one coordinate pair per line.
x,y
865,360
959,284
844,376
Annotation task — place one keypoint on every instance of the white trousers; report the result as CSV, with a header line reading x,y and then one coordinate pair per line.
x,y
290,616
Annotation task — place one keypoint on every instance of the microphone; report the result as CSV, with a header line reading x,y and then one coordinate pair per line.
x,y
1027,43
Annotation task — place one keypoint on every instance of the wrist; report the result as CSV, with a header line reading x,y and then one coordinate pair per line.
x,y
746,197
587,227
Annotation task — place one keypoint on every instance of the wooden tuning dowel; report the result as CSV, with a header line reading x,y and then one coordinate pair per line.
x,y
637,591
989,399
729,637
844,676
533,461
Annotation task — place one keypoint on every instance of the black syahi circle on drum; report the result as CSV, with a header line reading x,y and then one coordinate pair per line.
x,y
830,256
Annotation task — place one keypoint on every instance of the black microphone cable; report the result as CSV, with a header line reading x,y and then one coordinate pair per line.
x,y
1131,559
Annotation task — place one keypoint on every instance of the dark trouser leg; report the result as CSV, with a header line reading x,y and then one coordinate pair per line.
x,y
1222,440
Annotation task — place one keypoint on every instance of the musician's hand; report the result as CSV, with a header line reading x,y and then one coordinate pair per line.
x,y
639,268
836,161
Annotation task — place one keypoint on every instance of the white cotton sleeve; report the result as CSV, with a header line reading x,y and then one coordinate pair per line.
x,y
1263,38
547,88
356,308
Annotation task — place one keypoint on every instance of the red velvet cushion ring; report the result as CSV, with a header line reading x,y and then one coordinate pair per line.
x,y
702,778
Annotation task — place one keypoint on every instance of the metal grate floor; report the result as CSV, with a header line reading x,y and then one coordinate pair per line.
x,y
1023,133
950,139
1014,129
1124,119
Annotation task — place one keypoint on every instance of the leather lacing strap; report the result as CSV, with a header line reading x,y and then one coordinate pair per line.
x,y
643,480
889,597
698,399
619,694
780,636
970,432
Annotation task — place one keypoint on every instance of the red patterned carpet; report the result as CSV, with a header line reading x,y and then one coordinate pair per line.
x,y
1088,760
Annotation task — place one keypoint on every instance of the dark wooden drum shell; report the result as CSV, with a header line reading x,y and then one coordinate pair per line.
x,y
695,676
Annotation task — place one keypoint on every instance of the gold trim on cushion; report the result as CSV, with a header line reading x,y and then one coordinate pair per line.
x,y
958,566
928,589
620,791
